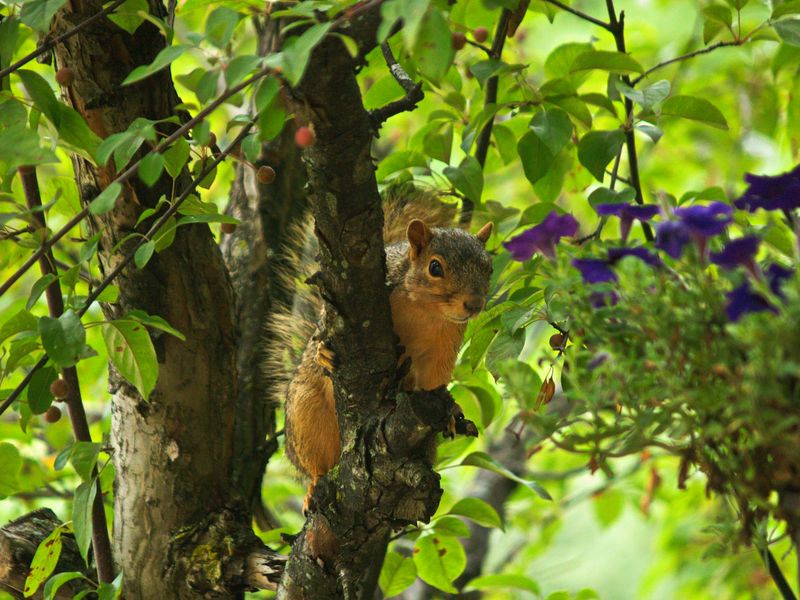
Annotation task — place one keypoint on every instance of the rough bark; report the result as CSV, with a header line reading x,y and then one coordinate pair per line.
x,y
173,453
18,543
383,479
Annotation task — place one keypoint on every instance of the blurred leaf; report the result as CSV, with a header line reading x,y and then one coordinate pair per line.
x,y
38,288
150,168
130,15
37,14
106,200
162,60
220,25
477,510
789,31
549,131
615,62
504,581
82,516
39,396
484,461
696,109
467,178
56,581
433,51
63,338
12,464
598,148
451,526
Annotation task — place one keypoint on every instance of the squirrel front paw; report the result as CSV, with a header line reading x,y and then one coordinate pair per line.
x,y
459,424
326,357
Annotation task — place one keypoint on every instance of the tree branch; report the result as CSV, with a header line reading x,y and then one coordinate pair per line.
x,y
413,91
580,14
683,57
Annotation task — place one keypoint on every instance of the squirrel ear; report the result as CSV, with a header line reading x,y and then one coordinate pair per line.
x,y
484,233
418,236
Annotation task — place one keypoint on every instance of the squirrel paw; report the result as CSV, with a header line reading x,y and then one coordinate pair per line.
x,y
460,425
326,357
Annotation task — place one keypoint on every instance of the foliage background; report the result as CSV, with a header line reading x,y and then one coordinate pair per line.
x,y
595,534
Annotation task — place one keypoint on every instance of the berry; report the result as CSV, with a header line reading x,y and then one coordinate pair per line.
x,y
557,341
212,140
65,76
304,137
480,34
53,414
459,40
59,388
265,175
228,227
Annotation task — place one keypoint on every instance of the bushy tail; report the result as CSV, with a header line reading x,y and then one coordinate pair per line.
x,y
290,328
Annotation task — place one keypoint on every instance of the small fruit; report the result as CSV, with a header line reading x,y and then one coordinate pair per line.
x,y
480,34
65,76
59,388
557,341
304,137
265,174
228,227
53,414
212,140
459,40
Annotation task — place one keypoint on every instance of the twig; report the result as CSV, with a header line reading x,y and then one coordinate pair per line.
x,y
618,31
49,43
485,136
777,575
686,56
481,46
129,257
580,14
408,102
74,402
126,175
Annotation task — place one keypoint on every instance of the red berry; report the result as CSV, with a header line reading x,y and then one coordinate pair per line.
x,y
304,137
228,227
65,76
459,40
53,414
59,388
480,34
265,175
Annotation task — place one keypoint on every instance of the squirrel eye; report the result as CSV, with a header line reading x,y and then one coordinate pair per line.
x,y
435,268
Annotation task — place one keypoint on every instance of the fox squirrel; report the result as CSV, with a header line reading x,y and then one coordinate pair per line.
x,y
439,279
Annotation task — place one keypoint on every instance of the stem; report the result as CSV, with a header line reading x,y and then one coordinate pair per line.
x,y
580,14
683,57
618,30
50,43
129,256
126,175
777,576
485,136
74,402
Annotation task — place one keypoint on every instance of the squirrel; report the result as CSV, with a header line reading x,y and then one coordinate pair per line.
x,y
438,279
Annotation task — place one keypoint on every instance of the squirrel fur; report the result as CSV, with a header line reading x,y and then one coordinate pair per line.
x,y
438,277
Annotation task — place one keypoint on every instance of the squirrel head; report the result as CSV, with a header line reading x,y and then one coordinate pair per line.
x,y
449,270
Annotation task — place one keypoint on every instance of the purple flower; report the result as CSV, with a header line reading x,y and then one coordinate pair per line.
x,y
543,237
705,220
616,254
737,252
781,192
594,270
671,237
776,275
627,213
743,300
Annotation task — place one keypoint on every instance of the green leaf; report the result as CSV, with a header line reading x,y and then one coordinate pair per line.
x,y
239,68
208,218
162,60
39,396
696,109
130,15
150,168
38,288
439,560
41,93
175,157
38,13
598,148
550,130
74,130
220,26
506,143
477,510
83,457
433,52
82,515
143,254
608,507
131,350
265,94
12,465
296,52
719,14
397,574
604,195
397,161
44,561
504,581
155,322
484,461
63,338
451,526
614,62
787,8
106,200
789,31
467,178
110,591
17,323
648,98
56,581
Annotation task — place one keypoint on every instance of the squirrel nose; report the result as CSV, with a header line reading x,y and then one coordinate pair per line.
x,y
474,305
